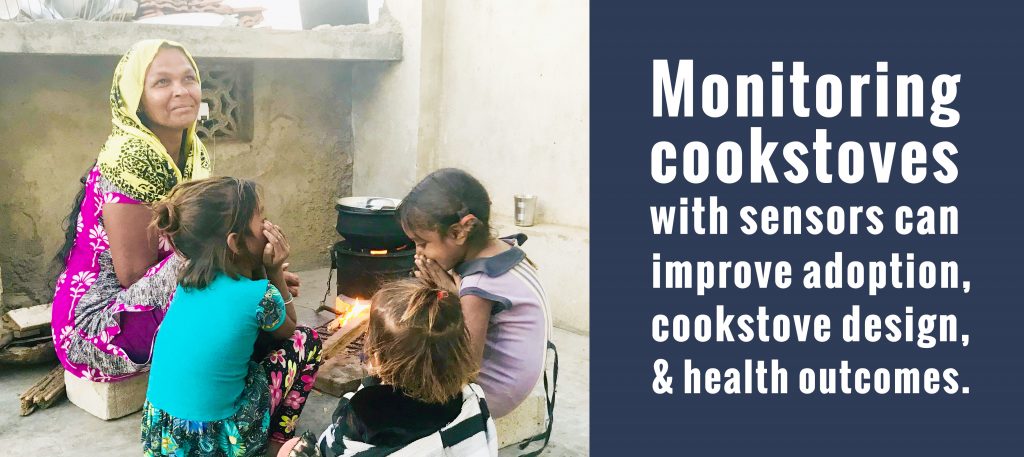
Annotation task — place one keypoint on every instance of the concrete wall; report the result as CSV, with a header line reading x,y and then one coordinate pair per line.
x,y
54,117
515,103
499,89
387,111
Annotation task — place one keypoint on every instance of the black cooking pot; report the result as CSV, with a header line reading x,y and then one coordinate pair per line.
x,y
370,222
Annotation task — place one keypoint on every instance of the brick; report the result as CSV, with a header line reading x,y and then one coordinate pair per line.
x,y
107,400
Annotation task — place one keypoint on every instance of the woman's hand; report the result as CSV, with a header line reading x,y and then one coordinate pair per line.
x,y
277,249
292,280
429,269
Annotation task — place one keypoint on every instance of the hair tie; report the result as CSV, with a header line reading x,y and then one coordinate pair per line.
x,y
466,218
442,294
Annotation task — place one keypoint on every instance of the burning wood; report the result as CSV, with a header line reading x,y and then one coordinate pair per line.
x,y
350,324
346,312
342,370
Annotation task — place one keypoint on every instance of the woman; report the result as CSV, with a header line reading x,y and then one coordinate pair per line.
x,y
119,274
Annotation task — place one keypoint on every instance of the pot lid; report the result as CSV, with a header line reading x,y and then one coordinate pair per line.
x,y
369,203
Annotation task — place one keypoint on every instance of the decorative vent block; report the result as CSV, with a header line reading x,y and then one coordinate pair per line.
x,y
227,88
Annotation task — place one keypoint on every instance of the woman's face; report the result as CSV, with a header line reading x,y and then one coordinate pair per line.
x,y
171,95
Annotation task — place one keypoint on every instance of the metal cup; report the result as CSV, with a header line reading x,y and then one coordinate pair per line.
x,y
526,209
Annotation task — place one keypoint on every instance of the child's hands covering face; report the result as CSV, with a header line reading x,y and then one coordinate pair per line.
x,y
429,269
277,249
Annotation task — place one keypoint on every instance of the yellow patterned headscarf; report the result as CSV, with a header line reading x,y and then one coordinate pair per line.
x,y
133,158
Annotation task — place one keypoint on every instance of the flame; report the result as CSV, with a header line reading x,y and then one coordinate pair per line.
x,y
341,306
347,311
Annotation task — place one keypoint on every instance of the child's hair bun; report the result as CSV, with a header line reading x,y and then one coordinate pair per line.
x,y
166,218
443,307
433,308
198,216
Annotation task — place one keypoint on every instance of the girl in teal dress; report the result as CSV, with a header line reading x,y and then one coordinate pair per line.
x,y
209,393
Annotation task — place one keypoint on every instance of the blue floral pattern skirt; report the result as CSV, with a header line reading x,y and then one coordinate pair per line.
x,y
243,434
275,387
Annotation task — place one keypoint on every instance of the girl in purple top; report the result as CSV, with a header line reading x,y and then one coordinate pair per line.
x,y
503,302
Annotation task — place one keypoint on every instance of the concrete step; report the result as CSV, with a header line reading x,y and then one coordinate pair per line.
x,y
528,419
107,400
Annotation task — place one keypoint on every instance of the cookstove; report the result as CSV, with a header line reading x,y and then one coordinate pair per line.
x,y
361,271
375,249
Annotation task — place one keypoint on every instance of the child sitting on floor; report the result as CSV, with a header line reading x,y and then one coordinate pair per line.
x,y
419,401
205,396
447,215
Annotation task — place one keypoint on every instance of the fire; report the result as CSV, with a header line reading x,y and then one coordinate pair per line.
x,y
346,311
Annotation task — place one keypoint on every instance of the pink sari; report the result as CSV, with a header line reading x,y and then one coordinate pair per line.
x,y
102,331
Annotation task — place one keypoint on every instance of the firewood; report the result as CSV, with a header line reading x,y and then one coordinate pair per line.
x,y
345,335
41,388
52,393
342,370
44,392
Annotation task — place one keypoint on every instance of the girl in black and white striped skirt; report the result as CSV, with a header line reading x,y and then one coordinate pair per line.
x,y
419,400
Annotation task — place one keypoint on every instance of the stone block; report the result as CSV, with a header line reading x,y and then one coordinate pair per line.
x,y
528,419
107,400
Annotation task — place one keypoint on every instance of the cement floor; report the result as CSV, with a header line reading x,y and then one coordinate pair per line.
x,y
65,430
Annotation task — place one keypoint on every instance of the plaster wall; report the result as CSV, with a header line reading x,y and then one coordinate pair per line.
x,y
514,110
386,109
